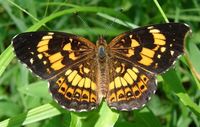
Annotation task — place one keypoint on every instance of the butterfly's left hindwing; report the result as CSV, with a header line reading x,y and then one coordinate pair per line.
x,y
76,88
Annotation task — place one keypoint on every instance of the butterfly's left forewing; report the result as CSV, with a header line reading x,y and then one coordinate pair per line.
x,y
49,53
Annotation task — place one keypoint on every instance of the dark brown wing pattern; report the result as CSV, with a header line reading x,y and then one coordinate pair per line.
x,y
130,87
137,57
65,60
69,63
49,53
153,48
76,88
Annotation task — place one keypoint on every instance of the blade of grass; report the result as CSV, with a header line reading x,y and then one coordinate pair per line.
x,y
104,117
19,23
174,83
34,115
84,119
60,4
5,59
98,31
161,10
116,20
23,10
71,11
191,57
141,118
36,89
193,18
108,117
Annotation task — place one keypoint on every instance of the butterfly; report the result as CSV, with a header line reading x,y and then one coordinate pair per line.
x,y
81,74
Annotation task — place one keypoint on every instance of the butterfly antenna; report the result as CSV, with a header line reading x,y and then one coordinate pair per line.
x,y
117,20
83,20
108,27
127,24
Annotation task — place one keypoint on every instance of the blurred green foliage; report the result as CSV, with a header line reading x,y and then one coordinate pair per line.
x,y
24,99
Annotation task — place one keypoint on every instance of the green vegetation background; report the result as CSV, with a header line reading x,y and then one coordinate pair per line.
x,y
24,99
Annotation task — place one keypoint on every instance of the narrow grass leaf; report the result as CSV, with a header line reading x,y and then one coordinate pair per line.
x,y
194,53
193,18
175,85
36,89
116,20
70,11
5,59
23,10
141,118
107,117
19,23
34,115
161,10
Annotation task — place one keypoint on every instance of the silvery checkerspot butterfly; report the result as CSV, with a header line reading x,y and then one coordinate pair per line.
x,y
123,72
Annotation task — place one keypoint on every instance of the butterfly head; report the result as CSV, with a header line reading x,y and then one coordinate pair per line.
x,y
101,42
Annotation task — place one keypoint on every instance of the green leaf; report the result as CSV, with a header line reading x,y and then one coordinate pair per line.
x,y
34,115
175,85
141,118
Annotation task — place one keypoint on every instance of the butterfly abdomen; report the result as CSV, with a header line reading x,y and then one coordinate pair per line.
x,y
102,77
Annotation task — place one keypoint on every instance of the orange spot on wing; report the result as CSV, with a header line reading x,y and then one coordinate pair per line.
x,y
148,52
57,65
145,60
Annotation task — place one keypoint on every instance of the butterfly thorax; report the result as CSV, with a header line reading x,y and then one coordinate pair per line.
x,y
102,65
101,49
